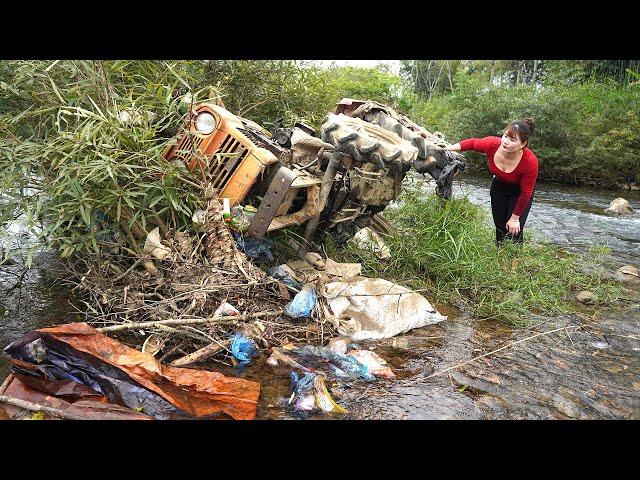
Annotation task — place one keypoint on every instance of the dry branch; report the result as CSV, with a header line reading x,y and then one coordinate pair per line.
x,y
201,354
180,294
191,321
34,407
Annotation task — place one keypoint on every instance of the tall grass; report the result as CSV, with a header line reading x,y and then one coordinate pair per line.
x,y
447,249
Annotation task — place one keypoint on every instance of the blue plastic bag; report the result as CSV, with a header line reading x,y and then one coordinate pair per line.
x,y
303,303
243,348
347,364
281,273
255,248
303,394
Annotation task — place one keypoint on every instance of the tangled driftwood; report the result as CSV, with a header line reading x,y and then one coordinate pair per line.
x,y
174,299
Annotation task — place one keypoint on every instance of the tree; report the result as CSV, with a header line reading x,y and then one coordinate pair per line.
x,y
430,77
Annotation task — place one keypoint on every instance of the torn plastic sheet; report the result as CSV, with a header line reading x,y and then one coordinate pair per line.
x,y
377,366
313,359
286,275
345,363
309,392
77,352
253,248
243,348
303,303
367,239
69,397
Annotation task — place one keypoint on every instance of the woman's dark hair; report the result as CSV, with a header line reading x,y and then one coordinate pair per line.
x,y
522,128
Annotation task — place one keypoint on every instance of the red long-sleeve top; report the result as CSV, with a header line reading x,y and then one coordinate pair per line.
x,y
525,173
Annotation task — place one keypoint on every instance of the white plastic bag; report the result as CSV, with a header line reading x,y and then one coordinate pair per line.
x,y
367,239
374,308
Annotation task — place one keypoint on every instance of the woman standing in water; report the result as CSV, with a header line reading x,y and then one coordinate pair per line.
x,y
515,171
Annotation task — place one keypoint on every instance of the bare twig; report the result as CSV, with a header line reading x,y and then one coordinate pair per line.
x,y
201,354
18,283
6,383
16,402
135,264
510,344
197,321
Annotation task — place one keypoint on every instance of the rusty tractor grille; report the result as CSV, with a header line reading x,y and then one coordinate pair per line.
x,y
188,147
227,159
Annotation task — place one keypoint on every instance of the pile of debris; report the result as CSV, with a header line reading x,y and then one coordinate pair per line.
x,y
185,302
186,298
72,371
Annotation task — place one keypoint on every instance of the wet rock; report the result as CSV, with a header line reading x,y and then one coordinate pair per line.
x,y
619,206
586,297
628,274
427,370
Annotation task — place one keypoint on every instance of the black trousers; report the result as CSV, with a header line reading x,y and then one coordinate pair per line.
x,y
503,201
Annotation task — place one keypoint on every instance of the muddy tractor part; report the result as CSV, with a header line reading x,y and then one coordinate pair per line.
x,y
234,155
327,182
442,165
341,181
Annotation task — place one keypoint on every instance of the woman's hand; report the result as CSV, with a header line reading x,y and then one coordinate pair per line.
x,y
513,226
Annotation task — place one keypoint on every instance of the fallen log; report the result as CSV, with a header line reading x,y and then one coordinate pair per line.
x,y
192,321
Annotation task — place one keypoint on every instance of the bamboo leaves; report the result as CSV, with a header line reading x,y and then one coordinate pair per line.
x,y
91,137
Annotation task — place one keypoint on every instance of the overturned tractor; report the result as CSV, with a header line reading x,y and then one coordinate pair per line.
x,y
340,180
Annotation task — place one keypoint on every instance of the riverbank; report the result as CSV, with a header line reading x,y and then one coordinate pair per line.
x,y
569,217
581,369
447,248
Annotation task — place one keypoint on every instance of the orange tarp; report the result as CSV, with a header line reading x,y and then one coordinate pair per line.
x,y
196,392
98,409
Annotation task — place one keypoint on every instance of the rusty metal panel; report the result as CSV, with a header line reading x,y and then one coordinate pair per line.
x,y
242,179
310,209
272,200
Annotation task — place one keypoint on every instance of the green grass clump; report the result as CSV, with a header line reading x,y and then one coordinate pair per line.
x,y
447,249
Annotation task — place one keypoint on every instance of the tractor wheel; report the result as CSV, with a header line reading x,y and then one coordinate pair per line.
x,y
366,142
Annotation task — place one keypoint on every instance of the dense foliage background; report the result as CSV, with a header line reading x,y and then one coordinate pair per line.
x,y
81,141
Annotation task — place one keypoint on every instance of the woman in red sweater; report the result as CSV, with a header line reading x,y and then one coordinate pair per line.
x,y
515,170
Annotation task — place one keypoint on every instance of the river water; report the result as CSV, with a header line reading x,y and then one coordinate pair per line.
x,y
571,217
588,370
